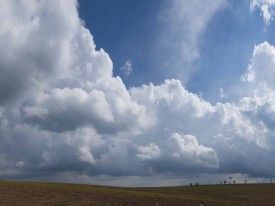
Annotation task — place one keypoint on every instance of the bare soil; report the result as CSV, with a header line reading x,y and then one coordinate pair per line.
x,y
57,194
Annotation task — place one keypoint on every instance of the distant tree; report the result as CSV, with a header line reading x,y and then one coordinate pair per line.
x,y
224,181
197,184
245,181
230,178
234,182
191,184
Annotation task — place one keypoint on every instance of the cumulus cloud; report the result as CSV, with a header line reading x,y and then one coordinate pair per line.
x,y
261,70
259,77
266,7
55,84
179,153
218,133
63,112
149,152
35,48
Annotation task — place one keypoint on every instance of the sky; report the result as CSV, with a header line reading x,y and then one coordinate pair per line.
x,y
137,93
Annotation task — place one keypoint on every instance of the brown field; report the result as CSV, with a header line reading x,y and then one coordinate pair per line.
x,y
56,194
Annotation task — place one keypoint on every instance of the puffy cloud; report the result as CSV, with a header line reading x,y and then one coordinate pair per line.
x,y
67,114
260,104
178,154
219,133
35,44
57,89
171,97
266,7
69,83
149,152
188,145
261,70
67,109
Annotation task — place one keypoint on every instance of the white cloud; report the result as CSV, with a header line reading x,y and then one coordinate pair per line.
x,y
222,130
63,86
188,147
266,7
127,68
35,41
86,156
178,154
261,70
184,23
149,152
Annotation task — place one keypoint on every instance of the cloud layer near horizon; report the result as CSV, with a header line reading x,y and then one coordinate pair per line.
x,y
63,111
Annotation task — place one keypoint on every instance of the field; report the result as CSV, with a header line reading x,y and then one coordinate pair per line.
x,y
56,194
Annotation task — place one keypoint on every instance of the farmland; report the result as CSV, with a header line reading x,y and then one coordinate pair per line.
x,y
58,194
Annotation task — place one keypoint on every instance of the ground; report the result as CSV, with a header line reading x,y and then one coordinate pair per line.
x,y
57,194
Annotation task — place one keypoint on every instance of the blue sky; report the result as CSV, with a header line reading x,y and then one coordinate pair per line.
x,y
137,93
124,29
128,31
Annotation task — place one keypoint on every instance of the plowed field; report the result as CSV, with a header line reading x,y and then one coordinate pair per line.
x,y
56,194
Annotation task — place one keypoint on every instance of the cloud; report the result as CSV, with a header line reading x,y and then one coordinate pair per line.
x,y
218,133
127,68
68,115
178,154
266,7
183,24
46,57
261,70
259,78
64,89
149,152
